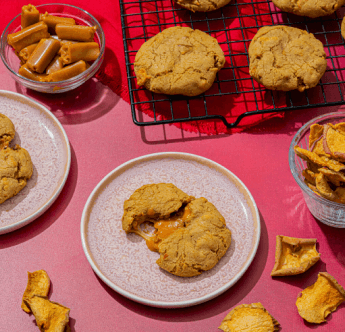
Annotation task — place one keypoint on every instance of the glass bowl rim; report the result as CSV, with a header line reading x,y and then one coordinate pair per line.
x,y
292,163
70,80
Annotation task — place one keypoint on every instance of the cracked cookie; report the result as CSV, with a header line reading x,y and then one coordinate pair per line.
x,y
202,5
190,234
310,8
7,131
15,169
285,58
178,60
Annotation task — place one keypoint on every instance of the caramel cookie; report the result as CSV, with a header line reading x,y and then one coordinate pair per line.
x,y
15,170
178,60
310,8
7,131
202,5
285,58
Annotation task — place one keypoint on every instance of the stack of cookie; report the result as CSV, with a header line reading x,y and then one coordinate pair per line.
x,y
180,60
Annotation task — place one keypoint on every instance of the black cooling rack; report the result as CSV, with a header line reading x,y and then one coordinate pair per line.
x,y
234,94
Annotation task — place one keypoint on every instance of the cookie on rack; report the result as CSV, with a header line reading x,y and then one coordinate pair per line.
x,y
286,58
179,61
343,28
310,8
202,5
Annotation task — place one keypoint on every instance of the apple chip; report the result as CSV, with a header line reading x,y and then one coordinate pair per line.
x,y
317,301
334,143
38,284
324,188
316,133
309,175
335,177
249,317
319,160
294,256
50,316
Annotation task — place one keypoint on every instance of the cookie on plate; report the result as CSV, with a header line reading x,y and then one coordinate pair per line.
x,y
178,60
310,8
15,170
7,131
286,58
202,5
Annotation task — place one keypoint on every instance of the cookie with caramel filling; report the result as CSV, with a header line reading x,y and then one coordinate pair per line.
x,y
249,317
294,256
190,234
317,301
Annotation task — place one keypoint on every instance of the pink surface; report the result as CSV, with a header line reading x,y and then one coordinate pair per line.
x,y
102,136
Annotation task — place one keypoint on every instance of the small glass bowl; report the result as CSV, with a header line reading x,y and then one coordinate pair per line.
x,y
328,212
12,62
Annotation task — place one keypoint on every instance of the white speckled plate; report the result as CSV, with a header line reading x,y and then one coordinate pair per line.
x,y
125,263
41,134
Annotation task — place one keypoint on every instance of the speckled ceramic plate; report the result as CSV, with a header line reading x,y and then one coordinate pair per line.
x,y
125,263
41,134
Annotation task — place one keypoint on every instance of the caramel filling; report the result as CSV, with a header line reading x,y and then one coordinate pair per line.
x,y
163,228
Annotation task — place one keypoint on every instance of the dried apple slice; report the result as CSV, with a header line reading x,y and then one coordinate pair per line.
x,y
309,175
319,160
334,142
249,317
335,177
50,316
316,133
38,284
294,255
317,301
324,189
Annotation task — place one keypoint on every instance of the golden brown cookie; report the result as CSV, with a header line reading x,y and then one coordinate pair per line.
x,y
7,131
310,8
15,169
152,202
202,5
199,245
179,60
285,58
294,256
190,234
249,317
343,28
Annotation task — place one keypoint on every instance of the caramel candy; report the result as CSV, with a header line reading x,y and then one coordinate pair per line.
x,y
52,20
75,32
43,54
55,65
79,51
25,53
67,72
30,15
26,72
30,35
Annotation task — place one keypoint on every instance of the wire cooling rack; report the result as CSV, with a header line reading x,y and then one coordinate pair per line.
x,y
234,94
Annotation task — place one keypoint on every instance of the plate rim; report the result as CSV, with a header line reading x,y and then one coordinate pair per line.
x,y
23,222
161,304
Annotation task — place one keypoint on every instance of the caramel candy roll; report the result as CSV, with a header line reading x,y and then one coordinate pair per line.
x,y
80,51
43,55
26,72
30,35
55,65
30,15
75,32
67,72
25,53
52,20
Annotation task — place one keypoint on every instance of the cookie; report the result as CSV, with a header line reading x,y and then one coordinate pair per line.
x,y
343,28
7,131
285,58
310,8
15,169
199,245
202,5
178,60
152,202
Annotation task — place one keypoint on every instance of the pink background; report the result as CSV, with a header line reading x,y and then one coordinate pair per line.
x,y
102,137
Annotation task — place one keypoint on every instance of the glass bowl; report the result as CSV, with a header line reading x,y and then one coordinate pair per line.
x,y
328,212
12,62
